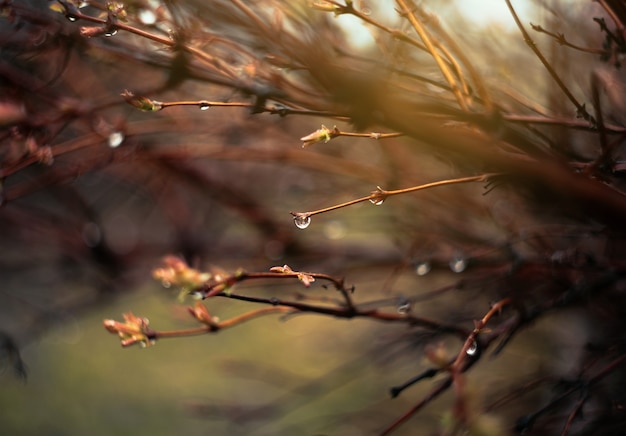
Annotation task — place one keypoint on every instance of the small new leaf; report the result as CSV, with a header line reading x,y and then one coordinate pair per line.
x,y
201,313
175,272
322,134
134,330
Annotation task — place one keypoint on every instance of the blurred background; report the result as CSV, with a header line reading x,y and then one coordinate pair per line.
x,y
95,192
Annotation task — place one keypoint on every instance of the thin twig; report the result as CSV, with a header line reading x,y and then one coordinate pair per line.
x,y
560,38
580,109
426,39
380,194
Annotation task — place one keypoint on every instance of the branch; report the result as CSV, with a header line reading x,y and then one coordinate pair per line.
x,y
377,197
581,111
560,38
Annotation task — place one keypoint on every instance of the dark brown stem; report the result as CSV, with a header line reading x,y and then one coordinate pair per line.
x,y
580,109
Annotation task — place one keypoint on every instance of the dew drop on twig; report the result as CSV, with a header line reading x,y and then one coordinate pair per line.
x,y
472,349
302,221
458,264
111,32
423,268
115,139
204,105
378,196
404,307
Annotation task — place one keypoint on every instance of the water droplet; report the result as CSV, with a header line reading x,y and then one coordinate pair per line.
x,y
458,264
378,196
423,268
147,17
204,105
116,139
110,32
302,221
166,284
404,307
472,349
71,18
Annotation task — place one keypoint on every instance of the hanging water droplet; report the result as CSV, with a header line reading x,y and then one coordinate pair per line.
x,y
423,268
302,221
115,139
204,105
110,32
472,349
404,307
71,18
458,264
378,196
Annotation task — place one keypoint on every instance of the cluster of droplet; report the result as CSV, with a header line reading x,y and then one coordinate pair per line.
x,y
378,196
457,264
146,343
